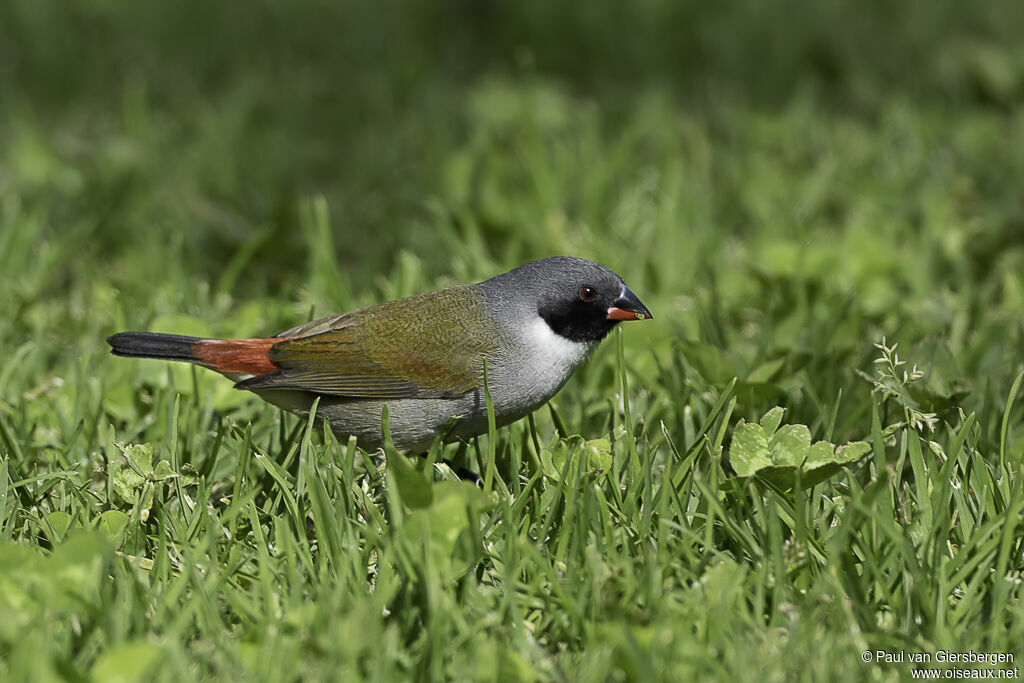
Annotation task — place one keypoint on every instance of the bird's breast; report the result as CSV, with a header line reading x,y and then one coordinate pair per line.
x,y
529,373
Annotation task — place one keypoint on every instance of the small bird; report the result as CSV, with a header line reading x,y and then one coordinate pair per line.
x,y
424,355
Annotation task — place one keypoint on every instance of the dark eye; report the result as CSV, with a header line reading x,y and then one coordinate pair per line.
x,y
587,293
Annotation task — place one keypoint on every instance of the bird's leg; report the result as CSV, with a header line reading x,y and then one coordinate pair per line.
x,y
461,471
465,474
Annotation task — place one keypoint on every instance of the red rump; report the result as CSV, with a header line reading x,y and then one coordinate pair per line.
x,y
245,356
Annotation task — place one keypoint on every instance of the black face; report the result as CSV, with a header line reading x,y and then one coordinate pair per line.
x,y
581,314
579,300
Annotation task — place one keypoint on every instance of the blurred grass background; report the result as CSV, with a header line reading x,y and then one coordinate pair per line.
x,y
201,125
783,184
801,178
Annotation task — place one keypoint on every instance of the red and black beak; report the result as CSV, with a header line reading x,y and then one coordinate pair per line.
x,y
628,307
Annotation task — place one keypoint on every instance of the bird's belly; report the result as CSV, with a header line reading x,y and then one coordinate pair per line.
x,y
414,422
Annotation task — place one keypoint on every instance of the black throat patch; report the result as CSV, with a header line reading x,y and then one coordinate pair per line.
x,y
578,321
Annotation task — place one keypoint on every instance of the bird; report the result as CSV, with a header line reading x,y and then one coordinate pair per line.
x,y
424,356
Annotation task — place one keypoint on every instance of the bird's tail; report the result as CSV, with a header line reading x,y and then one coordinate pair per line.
x,y
233,356
154,345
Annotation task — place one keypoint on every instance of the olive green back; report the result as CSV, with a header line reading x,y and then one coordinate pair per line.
x,y
431,345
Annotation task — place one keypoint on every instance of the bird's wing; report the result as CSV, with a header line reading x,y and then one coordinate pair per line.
x,y
321,325
431,345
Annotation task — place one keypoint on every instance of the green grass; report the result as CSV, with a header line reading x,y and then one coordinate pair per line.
x,y
780,197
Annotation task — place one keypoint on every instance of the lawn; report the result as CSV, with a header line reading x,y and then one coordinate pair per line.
x,y
821,206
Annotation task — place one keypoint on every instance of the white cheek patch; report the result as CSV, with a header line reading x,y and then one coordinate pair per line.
x,y
550,349
542,363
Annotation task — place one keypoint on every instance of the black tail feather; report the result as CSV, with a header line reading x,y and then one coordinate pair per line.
x,y
153,345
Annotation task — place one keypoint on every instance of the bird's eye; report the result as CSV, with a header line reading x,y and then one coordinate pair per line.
x,y
587,293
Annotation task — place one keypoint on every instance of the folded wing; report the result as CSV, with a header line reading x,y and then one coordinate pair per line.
x,y
432,345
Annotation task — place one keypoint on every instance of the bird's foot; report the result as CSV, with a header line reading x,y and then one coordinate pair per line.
x,y
464,473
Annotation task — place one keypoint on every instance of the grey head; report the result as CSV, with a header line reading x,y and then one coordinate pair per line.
x,y
580,300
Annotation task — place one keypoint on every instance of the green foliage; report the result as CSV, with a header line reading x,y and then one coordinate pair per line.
x,y
784,455
788,187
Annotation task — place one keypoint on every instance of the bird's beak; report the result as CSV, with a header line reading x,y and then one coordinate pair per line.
x,y
628,307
